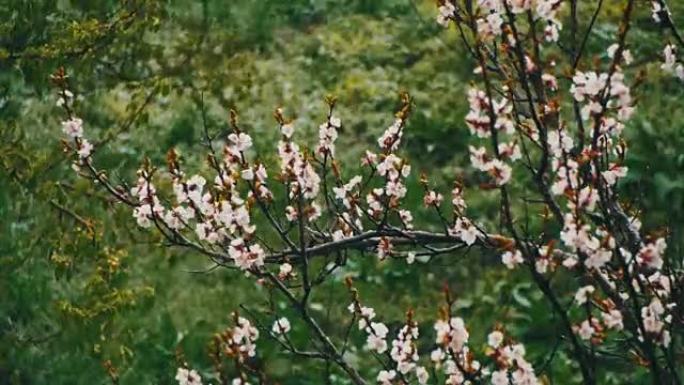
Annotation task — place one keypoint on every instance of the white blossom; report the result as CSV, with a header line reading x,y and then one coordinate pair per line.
x,y
73,128
281,326
583,293
446,11
586,330
464,230
512,258
188,377
241,142
495,338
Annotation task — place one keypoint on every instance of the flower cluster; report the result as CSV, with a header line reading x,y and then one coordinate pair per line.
x,y
327,134
479,120
188,377
404,351
671,65
394,169
376,340
465,230
655,320
149,207
73,129
453,354
489,25
243,337
548,11
446,12
651,255
512,258
349,220
490,21
512,367
281,326
296,167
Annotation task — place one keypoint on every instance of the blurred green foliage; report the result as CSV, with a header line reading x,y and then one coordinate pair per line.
x,y
80,286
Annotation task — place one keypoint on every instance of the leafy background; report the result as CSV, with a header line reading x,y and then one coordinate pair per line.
x,y
79,285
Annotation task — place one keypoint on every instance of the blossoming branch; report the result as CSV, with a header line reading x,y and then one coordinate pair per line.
x,y
542,115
